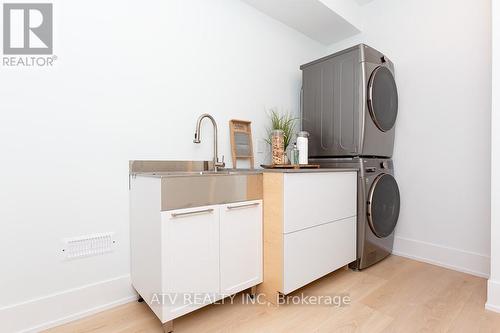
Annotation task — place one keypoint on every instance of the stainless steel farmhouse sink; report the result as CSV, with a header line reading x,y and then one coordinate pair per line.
x,y
136,167
183,168
187,184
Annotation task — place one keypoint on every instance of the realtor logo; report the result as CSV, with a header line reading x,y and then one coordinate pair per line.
x,y
27,28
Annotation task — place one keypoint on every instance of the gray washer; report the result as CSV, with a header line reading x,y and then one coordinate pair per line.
x,y
349,104
378,206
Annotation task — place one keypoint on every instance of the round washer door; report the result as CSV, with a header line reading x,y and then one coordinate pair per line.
x,y
383,205
383,98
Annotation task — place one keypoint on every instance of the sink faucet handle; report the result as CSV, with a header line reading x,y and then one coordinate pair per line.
x,y
221,162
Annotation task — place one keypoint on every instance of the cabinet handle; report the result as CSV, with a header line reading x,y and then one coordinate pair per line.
x,y
244,206
192,213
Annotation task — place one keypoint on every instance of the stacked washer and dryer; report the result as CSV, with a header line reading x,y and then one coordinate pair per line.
x,y
349,106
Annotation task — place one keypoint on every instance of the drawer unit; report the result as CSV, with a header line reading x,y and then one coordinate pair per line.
x,y
309,227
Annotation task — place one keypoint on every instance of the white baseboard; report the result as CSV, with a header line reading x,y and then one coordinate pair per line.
x,y
491,307
452,258
60,308
493,301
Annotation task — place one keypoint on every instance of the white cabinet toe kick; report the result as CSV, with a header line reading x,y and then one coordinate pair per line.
x,y
184,259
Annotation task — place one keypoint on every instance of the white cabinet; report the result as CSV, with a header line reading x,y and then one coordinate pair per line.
x,y
319,225
240,246
309,227
208,253
190,255
184,259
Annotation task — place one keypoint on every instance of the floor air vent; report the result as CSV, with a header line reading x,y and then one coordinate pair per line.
x,y
90,245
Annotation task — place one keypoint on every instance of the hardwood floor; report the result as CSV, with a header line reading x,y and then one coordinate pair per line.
x,y
396,295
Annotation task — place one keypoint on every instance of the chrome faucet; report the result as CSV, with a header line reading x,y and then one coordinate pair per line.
x,y
197,135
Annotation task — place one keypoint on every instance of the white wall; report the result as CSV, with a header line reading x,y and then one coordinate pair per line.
x,y
130,81
348,9
493,302
441,50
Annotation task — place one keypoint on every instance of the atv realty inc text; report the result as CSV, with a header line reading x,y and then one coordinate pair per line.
x,y
28,35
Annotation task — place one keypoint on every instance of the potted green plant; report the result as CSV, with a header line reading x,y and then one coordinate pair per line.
x,y
284,122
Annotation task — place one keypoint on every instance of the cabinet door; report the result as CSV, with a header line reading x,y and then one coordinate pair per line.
x,y
240,246
190,258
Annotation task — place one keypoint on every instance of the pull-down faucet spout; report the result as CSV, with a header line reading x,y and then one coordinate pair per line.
x,y
197,134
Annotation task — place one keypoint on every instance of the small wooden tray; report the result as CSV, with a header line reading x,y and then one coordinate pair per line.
x,y
290,166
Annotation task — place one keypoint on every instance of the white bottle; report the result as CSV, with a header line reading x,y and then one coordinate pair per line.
x,y
302,145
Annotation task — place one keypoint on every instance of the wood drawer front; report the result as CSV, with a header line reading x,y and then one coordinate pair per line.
x,y
312,253
312,199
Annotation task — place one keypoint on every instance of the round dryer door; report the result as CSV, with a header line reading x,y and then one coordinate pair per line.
x,y
383,205
383,98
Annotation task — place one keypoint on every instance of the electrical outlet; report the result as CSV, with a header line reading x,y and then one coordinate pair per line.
x,y
89,245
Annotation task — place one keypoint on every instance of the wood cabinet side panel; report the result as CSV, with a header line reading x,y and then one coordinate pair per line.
x,y
273,236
